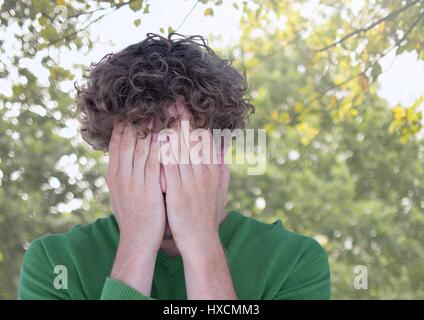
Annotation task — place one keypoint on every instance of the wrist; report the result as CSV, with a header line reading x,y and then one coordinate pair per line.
x,y
134,266
138,242
133,256
207,273
201,249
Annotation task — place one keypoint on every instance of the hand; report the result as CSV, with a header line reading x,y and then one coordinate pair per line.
x,y
196,196
136,198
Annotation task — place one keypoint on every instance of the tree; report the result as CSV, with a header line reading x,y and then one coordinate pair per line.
x,y
342,166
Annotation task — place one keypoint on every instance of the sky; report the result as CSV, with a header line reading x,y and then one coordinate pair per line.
x,y
401,82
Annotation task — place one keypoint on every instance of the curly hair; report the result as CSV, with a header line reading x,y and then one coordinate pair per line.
x,y
141,81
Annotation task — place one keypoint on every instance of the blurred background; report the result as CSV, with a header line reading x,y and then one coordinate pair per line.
x,y
338,85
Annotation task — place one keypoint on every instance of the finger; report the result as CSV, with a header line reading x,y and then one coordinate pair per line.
x,y
152,171
225,183
213,154
113,149
186,170
198,154
126,152
170,166
225,178
141,154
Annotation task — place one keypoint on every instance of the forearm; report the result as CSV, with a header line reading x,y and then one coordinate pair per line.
x,y
134,265
138,205
207,274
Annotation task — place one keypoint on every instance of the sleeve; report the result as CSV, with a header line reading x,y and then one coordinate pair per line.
x,y
36,280
310,278
117,290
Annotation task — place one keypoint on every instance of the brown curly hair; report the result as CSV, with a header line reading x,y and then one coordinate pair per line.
x,y
140,82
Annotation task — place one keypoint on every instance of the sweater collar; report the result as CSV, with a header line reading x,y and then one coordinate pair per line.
x,y
226,229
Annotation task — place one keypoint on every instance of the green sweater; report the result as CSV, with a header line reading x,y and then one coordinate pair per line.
x,y
265,260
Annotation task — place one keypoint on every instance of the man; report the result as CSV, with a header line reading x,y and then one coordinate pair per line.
x,y
169,236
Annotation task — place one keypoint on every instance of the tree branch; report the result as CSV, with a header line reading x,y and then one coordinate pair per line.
x,y
411,27
73,34
101,9
187,15
371,26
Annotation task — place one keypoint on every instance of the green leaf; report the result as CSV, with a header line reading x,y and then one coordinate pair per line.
x,y
376,71
41,5
400,50
136,5
49,33
146,8
42,21
170,30
208,12
137,22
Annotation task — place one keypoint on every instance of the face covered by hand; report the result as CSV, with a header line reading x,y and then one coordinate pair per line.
x,y
179,111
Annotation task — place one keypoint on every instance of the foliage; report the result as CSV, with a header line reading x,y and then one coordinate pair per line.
x,y
342,166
